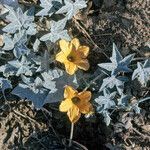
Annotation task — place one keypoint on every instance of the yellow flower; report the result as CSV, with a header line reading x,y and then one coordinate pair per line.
x,y
75,103
73,55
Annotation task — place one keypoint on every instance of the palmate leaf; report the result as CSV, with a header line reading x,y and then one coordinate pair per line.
x,y
71,8
13,3
17,44
34,90
23,91
20,21
8,42
5,84
111,82
106,101
57,32
142,73
123,101
36,45
118,63
106,116
45,89
49,7
61,82
18,67
42,62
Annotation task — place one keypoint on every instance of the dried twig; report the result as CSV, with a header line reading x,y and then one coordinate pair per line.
x,y
139,133
88,36
25,117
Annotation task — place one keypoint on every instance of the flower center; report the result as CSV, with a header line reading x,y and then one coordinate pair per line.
x,y
70,58
75,100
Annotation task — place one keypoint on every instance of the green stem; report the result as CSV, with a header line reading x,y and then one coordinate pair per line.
x,y
71,134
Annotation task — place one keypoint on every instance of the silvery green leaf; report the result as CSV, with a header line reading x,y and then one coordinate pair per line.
x,y
8,70
8,42
61,82
42,62
111,82
53,74
118,63
20,21
57,32
13,3
5,84
142,73
21,67
71,8
123,101
106,116
17,43
20,50
48,82
36,45
23,91
116,56
106,101
20,47
13,17
27,80
31,29
49,7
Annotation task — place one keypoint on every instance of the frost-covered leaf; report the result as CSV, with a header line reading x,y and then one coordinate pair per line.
x,y
36,45
123,101
142,73
118,63
61,82
49,7
5,84
71,8
20,21
106,101
111,82
45,89
24,91
17,44
8,70
57,32
8,42
106,116
17,67
42,62
13,3
35,90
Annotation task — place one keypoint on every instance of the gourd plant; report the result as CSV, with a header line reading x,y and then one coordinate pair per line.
x,y
39,78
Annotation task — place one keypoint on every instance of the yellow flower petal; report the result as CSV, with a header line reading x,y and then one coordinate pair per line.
x,y
83,64
84,51
64,46
65,105
86,108
69,92
74,114
75,42
84,105
85,96
71,68
61,57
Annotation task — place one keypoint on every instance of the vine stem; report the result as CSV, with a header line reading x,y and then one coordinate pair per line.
x,y
144,99
71,134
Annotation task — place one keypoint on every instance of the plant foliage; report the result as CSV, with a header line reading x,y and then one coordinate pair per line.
x,y
28,55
